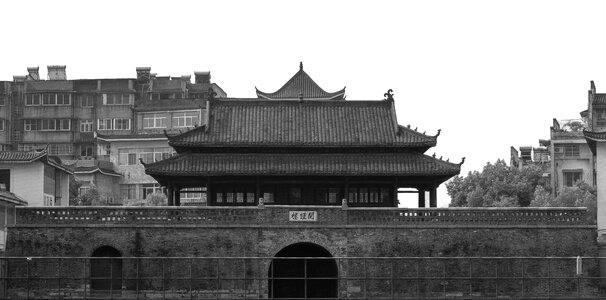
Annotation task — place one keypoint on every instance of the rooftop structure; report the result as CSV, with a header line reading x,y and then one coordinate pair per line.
x,y
306,152
301,87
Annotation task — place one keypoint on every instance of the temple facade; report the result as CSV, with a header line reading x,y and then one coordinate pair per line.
x,y
302,146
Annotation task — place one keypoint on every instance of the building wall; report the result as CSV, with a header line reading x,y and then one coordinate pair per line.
x,y
345,241
561,163
27,181
171,122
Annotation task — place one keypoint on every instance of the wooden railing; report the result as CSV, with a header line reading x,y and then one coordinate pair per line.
x,y
273,215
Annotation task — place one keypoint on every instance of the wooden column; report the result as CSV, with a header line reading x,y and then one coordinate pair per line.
x,y
177,196
209,193
346,191
433,197
171,191
257,190
394,201
421,198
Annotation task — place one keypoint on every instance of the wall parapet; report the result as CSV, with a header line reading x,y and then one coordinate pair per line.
x,y
280,215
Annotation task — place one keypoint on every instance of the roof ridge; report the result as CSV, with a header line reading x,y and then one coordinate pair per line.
x,y
304,83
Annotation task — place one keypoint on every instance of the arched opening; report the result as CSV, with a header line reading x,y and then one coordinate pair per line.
x,y
106,269
310,274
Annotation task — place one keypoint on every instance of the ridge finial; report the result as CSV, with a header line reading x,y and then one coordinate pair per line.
x,y
301,66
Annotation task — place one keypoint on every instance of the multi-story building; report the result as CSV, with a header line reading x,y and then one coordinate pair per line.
x,y
566,158
572,160
62,115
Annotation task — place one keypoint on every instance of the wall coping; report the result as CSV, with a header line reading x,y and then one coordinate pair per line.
x,y
212,216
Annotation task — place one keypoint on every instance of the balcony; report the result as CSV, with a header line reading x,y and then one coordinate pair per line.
x,y
263,216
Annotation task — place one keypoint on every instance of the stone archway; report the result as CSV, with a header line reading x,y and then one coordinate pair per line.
x,y
303,271
106,269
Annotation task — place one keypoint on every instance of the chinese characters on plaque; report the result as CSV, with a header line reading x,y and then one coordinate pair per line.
x,y
302,216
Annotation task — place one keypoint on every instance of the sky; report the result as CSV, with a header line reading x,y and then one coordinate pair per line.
x,y
490,74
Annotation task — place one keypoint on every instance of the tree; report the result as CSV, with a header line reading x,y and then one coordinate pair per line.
x,y
74,190
574,126
497,185
156,199
153,199
579,195
89,197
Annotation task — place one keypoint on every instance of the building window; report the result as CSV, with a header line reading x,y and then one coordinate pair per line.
x,y
570,177
32,99
47,125
147,189
65,124
2,100
49,200
128,191
60,149
86,150
117,99
193,195
49,99
567,150
87,100
185,119
127,157
104,124
86,125
2,125
121,124
154,120
149,155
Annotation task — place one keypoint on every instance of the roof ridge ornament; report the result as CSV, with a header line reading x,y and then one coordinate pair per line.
x,y
438,134
389,95
462,161
300,66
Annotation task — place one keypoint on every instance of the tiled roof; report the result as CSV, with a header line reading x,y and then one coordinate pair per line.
x,y
301,85
32,156
171,104
9,197
20,156
599,99
304,164
92,166
593,137
273,123
122,137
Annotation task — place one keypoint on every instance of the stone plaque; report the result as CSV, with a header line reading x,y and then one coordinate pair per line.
x,y
302,216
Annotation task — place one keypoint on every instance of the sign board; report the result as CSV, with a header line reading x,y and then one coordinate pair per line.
x,y
302,216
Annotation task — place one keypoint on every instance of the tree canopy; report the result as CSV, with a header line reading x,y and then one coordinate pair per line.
x,y
497,185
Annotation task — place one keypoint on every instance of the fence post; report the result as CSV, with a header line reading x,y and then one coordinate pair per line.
x,y
28,277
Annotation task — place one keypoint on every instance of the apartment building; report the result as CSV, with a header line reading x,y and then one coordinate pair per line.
x,y
62,115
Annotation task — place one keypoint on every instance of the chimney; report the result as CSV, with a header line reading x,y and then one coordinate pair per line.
x,y
202,77
34,73
56,72
143,74
19,78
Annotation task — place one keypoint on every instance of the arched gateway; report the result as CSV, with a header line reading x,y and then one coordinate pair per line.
x,y
303,271
106,269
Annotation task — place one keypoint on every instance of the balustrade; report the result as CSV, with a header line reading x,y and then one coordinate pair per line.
x,y
334,215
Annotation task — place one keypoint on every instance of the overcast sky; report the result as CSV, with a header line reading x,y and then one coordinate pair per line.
x,y
490,74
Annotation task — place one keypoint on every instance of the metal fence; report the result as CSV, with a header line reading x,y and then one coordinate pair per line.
x,y
301,278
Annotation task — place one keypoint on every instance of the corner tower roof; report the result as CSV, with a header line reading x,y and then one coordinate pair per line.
x,y
299,87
